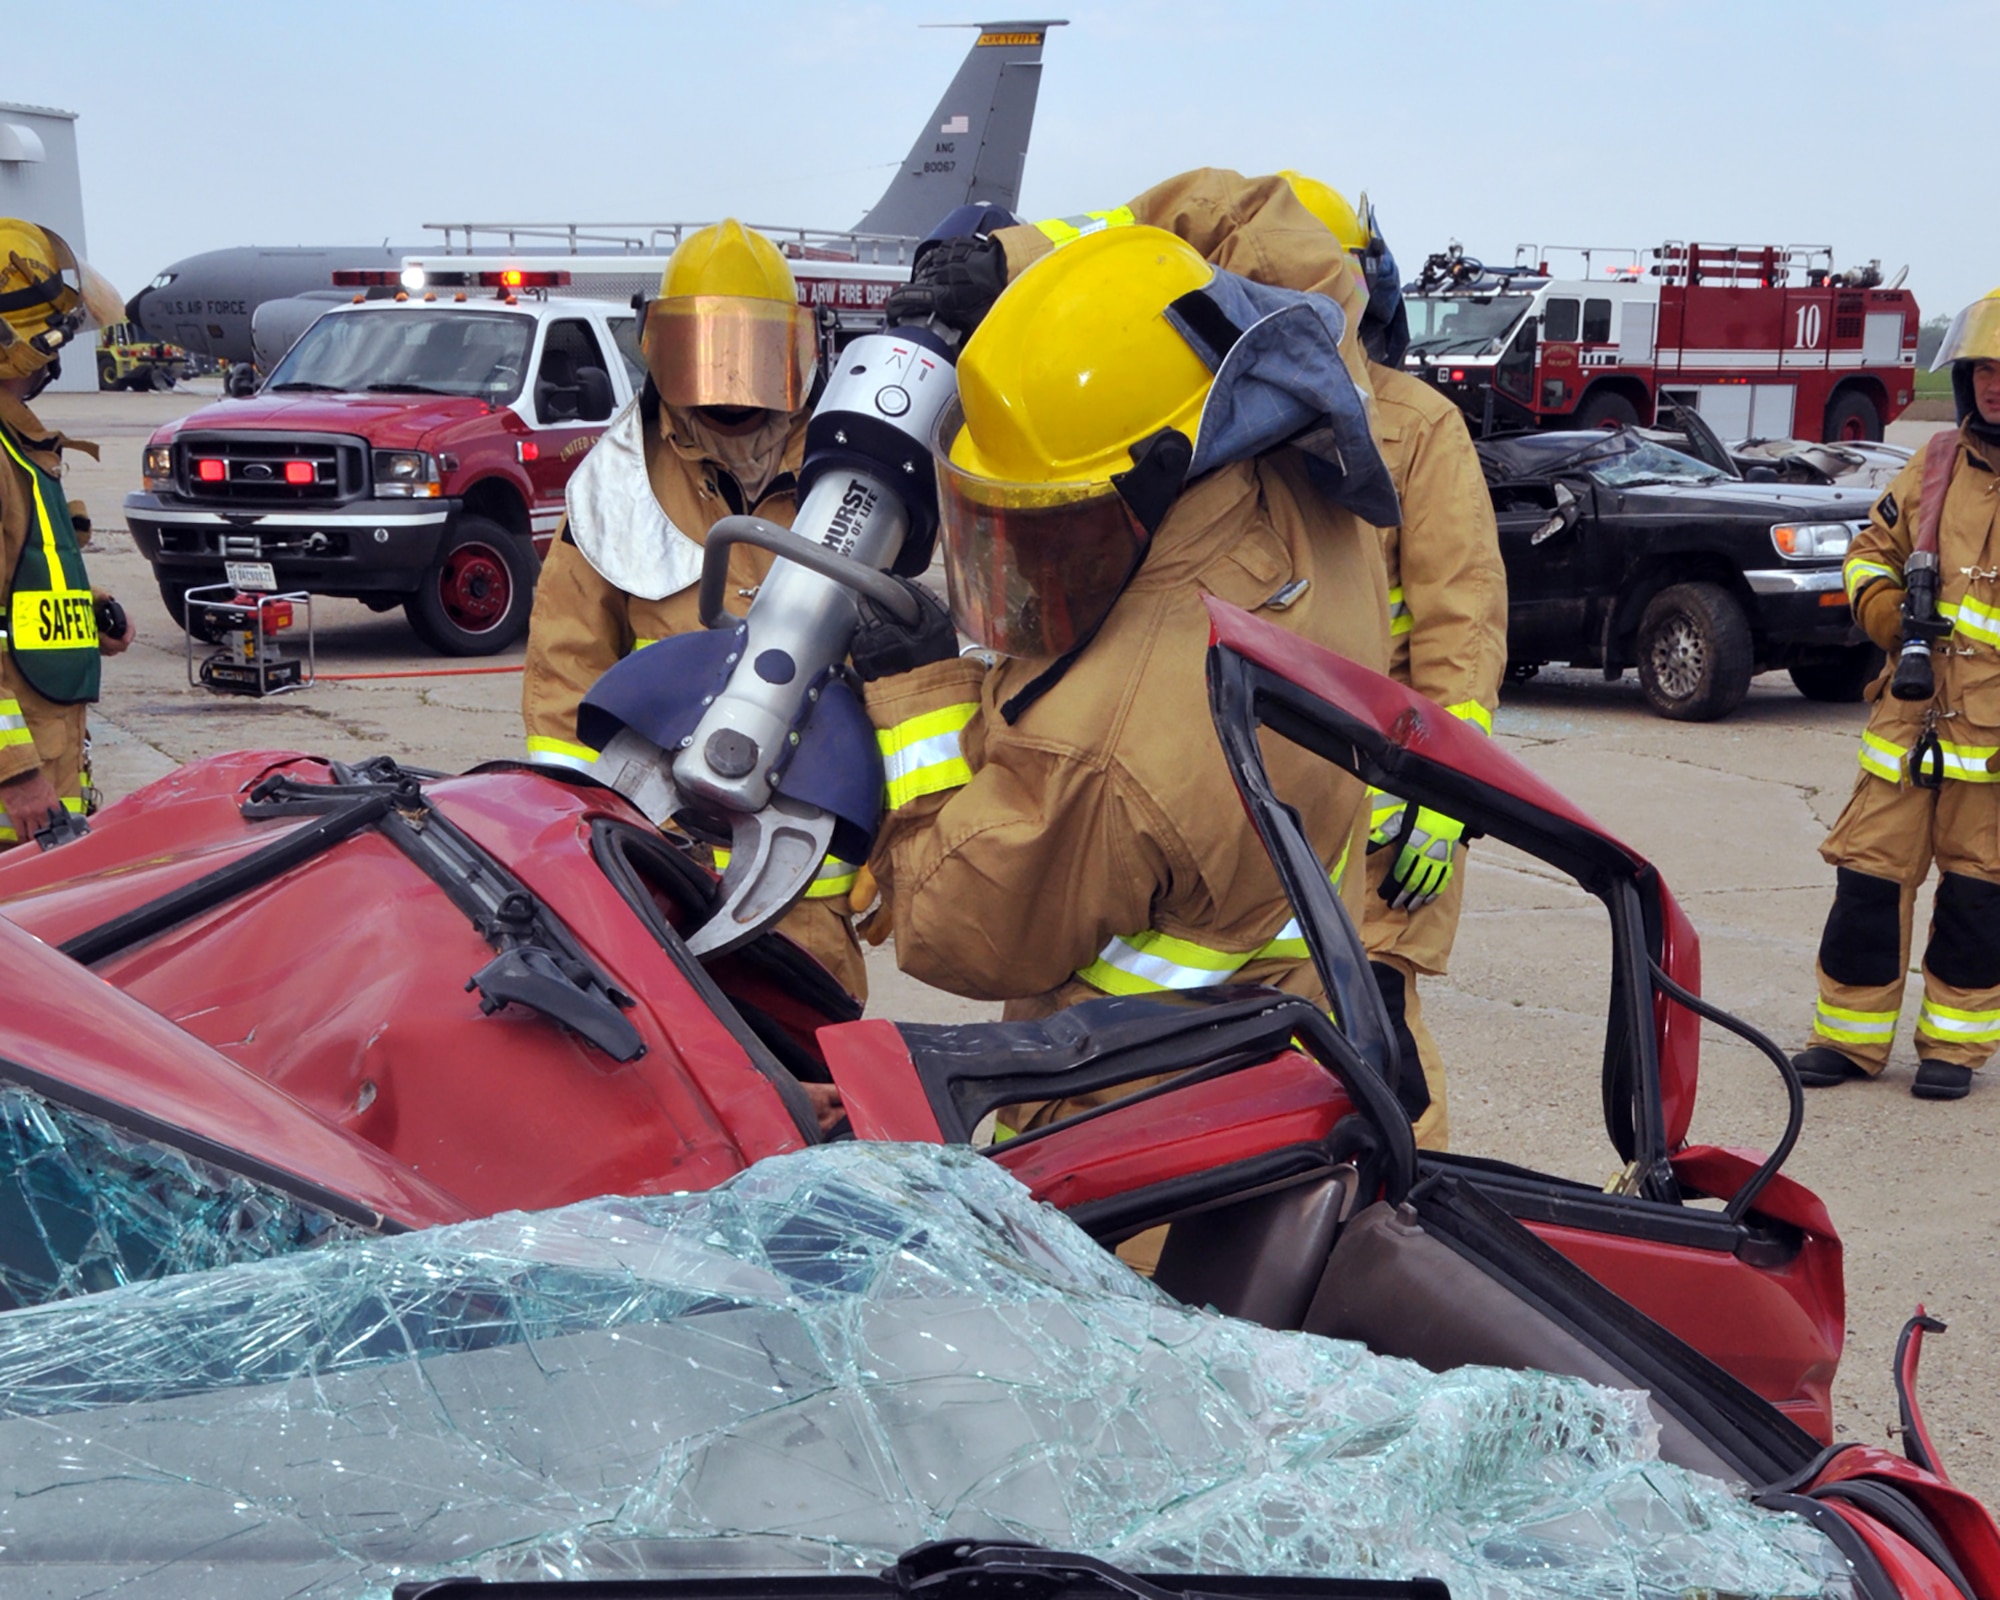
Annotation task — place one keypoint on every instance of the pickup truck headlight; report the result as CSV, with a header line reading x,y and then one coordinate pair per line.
x,y
408,473
158,470
1812,541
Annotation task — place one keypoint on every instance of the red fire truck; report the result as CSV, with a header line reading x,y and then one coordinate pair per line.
x,y
1763,341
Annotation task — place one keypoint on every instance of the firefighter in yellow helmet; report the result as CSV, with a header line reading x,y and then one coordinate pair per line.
x,y
50,641
719,429
1929,786
1061,822
1447,586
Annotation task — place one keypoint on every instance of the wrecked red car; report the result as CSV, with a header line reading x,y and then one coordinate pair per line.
x,y
298,1001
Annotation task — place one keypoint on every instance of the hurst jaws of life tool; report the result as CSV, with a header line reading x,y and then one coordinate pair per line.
x,y
754,728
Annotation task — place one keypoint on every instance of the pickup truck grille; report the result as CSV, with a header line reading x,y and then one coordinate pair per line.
x,y
270,469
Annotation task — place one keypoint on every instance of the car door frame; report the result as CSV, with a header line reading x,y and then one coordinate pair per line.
x,y
1770,1258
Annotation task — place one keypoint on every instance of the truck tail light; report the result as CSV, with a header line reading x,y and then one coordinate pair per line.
x,y
297,472
211,470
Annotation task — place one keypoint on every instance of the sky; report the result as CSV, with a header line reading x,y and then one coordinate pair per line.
x,y
208,123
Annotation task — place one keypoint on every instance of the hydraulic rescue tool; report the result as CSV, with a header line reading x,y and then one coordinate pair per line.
x,y
753,729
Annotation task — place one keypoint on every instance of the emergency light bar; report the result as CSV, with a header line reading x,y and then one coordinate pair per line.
x,y
368,278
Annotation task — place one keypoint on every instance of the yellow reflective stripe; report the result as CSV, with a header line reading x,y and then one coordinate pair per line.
x,y
1060,231
69,803
1973,619
1883,757
1147,963
834,878
1473,712
640,644
1400,620
1961,1027
47,524
1854,1027
561,753
1968,762
1856,574
13,726
924,755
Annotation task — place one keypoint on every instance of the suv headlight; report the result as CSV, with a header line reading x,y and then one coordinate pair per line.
x,y
1812,541
409,473
158,470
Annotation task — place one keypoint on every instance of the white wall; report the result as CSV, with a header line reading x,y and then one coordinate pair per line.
x,y
49,191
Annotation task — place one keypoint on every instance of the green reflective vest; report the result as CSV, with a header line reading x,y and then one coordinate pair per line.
x,y
51,619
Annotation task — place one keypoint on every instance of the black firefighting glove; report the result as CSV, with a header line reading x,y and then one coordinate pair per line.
x,y
955,282
885,645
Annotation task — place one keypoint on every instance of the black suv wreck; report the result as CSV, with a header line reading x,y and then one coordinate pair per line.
x,y
1622,553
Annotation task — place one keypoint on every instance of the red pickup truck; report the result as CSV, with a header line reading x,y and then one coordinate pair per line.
x,y
406,451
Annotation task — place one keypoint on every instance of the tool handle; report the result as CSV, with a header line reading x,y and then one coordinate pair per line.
x,y
884,590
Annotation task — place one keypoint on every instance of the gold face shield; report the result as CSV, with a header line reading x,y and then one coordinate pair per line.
x,y
730,350
1974,334
1031,569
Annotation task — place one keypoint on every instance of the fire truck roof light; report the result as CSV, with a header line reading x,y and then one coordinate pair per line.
x,y
365,278
519,278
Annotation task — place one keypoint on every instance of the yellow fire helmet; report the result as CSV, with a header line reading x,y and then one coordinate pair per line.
x,y
1075,423
726,328
1331,207
47,297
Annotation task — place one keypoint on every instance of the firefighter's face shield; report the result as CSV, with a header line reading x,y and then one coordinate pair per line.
x,y
45,305
1974,334
1033,569
730,350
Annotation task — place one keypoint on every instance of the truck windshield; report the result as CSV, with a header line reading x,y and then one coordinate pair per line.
x,y
1456,325
475,353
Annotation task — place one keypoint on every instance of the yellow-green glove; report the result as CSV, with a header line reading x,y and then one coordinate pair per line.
x,y
1426,844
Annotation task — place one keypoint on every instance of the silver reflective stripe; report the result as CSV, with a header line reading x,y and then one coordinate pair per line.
x,y
931,752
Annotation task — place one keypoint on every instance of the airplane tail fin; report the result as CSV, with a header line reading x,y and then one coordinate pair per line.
x,y
976,142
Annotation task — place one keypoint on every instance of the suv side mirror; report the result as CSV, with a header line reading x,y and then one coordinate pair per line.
x,y
593,394
1568,509
242,381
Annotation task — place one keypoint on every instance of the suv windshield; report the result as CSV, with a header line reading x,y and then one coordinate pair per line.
x,y
1451,325
480,354
1625,462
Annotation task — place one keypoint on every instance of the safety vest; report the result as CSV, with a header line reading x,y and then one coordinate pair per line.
x,y
51,619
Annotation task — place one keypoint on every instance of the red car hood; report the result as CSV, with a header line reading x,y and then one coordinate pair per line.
x,y
387,421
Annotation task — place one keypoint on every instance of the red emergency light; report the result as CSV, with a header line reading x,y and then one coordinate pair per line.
x,y
517,278
299,472
368,277
1458,374
529,450
211,470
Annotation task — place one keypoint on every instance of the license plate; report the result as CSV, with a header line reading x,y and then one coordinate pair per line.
x,y
254,575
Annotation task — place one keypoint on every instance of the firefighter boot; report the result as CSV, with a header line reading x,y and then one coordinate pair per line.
x,y
1940,1080
1822,1066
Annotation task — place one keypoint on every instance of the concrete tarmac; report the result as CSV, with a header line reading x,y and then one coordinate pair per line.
x,y
1732,812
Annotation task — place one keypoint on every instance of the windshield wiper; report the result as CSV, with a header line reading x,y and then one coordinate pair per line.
x,y
952,1569
405,388
318,388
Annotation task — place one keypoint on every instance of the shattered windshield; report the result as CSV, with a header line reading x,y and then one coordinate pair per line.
x,y
1455,325
838,1355
476,353
1627,461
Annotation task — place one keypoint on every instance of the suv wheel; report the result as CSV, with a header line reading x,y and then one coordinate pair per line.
x,y
1695,654
1839,678
475,599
